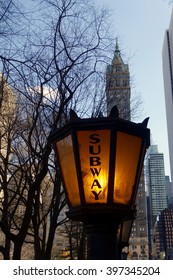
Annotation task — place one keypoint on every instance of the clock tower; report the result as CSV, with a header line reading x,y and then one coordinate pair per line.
x,y
118,85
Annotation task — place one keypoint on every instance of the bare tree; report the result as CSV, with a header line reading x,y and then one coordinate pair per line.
x,y
58,68
77,245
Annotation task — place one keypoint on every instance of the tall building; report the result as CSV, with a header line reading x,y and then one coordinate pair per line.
x,y
163,235
7,116
118,93
167,58
118,85
156,191
156,182
139,246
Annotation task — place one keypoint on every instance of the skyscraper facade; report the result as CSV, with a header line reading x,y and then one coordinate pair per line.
x,y
156,182
118,92
156,191
163,235
167,58
7,117
118,85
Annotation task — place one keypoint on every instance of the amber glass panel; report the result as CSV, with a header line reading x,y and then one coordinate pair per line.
x,y
67,163
127,156
94,152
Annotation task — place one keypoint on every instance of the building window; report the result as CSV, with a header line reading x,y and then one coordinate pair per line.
x,y
117,82
118,68
125,83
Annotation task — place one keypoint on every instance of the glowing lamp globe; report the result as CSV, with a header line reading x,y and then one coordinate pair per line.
x,y
101,160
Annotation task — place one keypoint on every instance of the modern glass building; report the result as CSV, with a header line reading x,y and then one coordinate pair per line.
x,y
156,191
155,171
167,58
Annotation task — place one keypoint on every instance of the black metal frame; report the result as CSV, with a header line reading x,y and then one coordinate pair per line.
x,y
114,125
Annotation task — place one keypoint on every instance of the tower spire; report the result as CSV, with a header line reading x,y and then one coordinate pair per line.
x,y
117,53
117,46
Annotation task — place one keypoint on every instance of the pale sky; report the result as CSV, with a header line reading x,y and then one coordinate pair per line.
x,y
140,26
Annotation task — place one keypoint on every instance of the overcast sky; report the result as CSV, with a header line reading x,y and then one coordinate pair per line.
x,y
140,26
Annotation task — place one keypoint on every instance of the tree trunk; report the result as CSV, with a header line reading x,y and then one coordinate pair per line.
x,y
50,242
17,250
7,249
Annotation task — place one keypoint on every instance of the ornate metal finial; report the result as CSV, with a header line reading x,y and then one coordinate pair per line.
x,y
114,112
73,115
144,123
100,115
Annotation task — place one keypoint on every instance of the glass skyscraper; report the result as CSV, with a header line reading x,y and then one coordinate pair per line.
x,y
167,57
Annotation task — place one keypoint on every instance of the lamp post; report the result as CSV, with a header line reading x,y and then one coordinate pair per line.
x,y
101,161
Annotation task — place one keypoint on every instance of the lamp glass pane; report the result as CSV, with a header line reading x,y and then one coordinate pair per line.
x,y
67,163
127,156
127,225
94,149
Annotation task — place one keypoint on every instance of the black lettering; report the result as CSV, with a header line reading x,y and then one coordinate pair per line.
x,y
95,138
92,148
95,171
70,271
95,161
96,195
96,184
